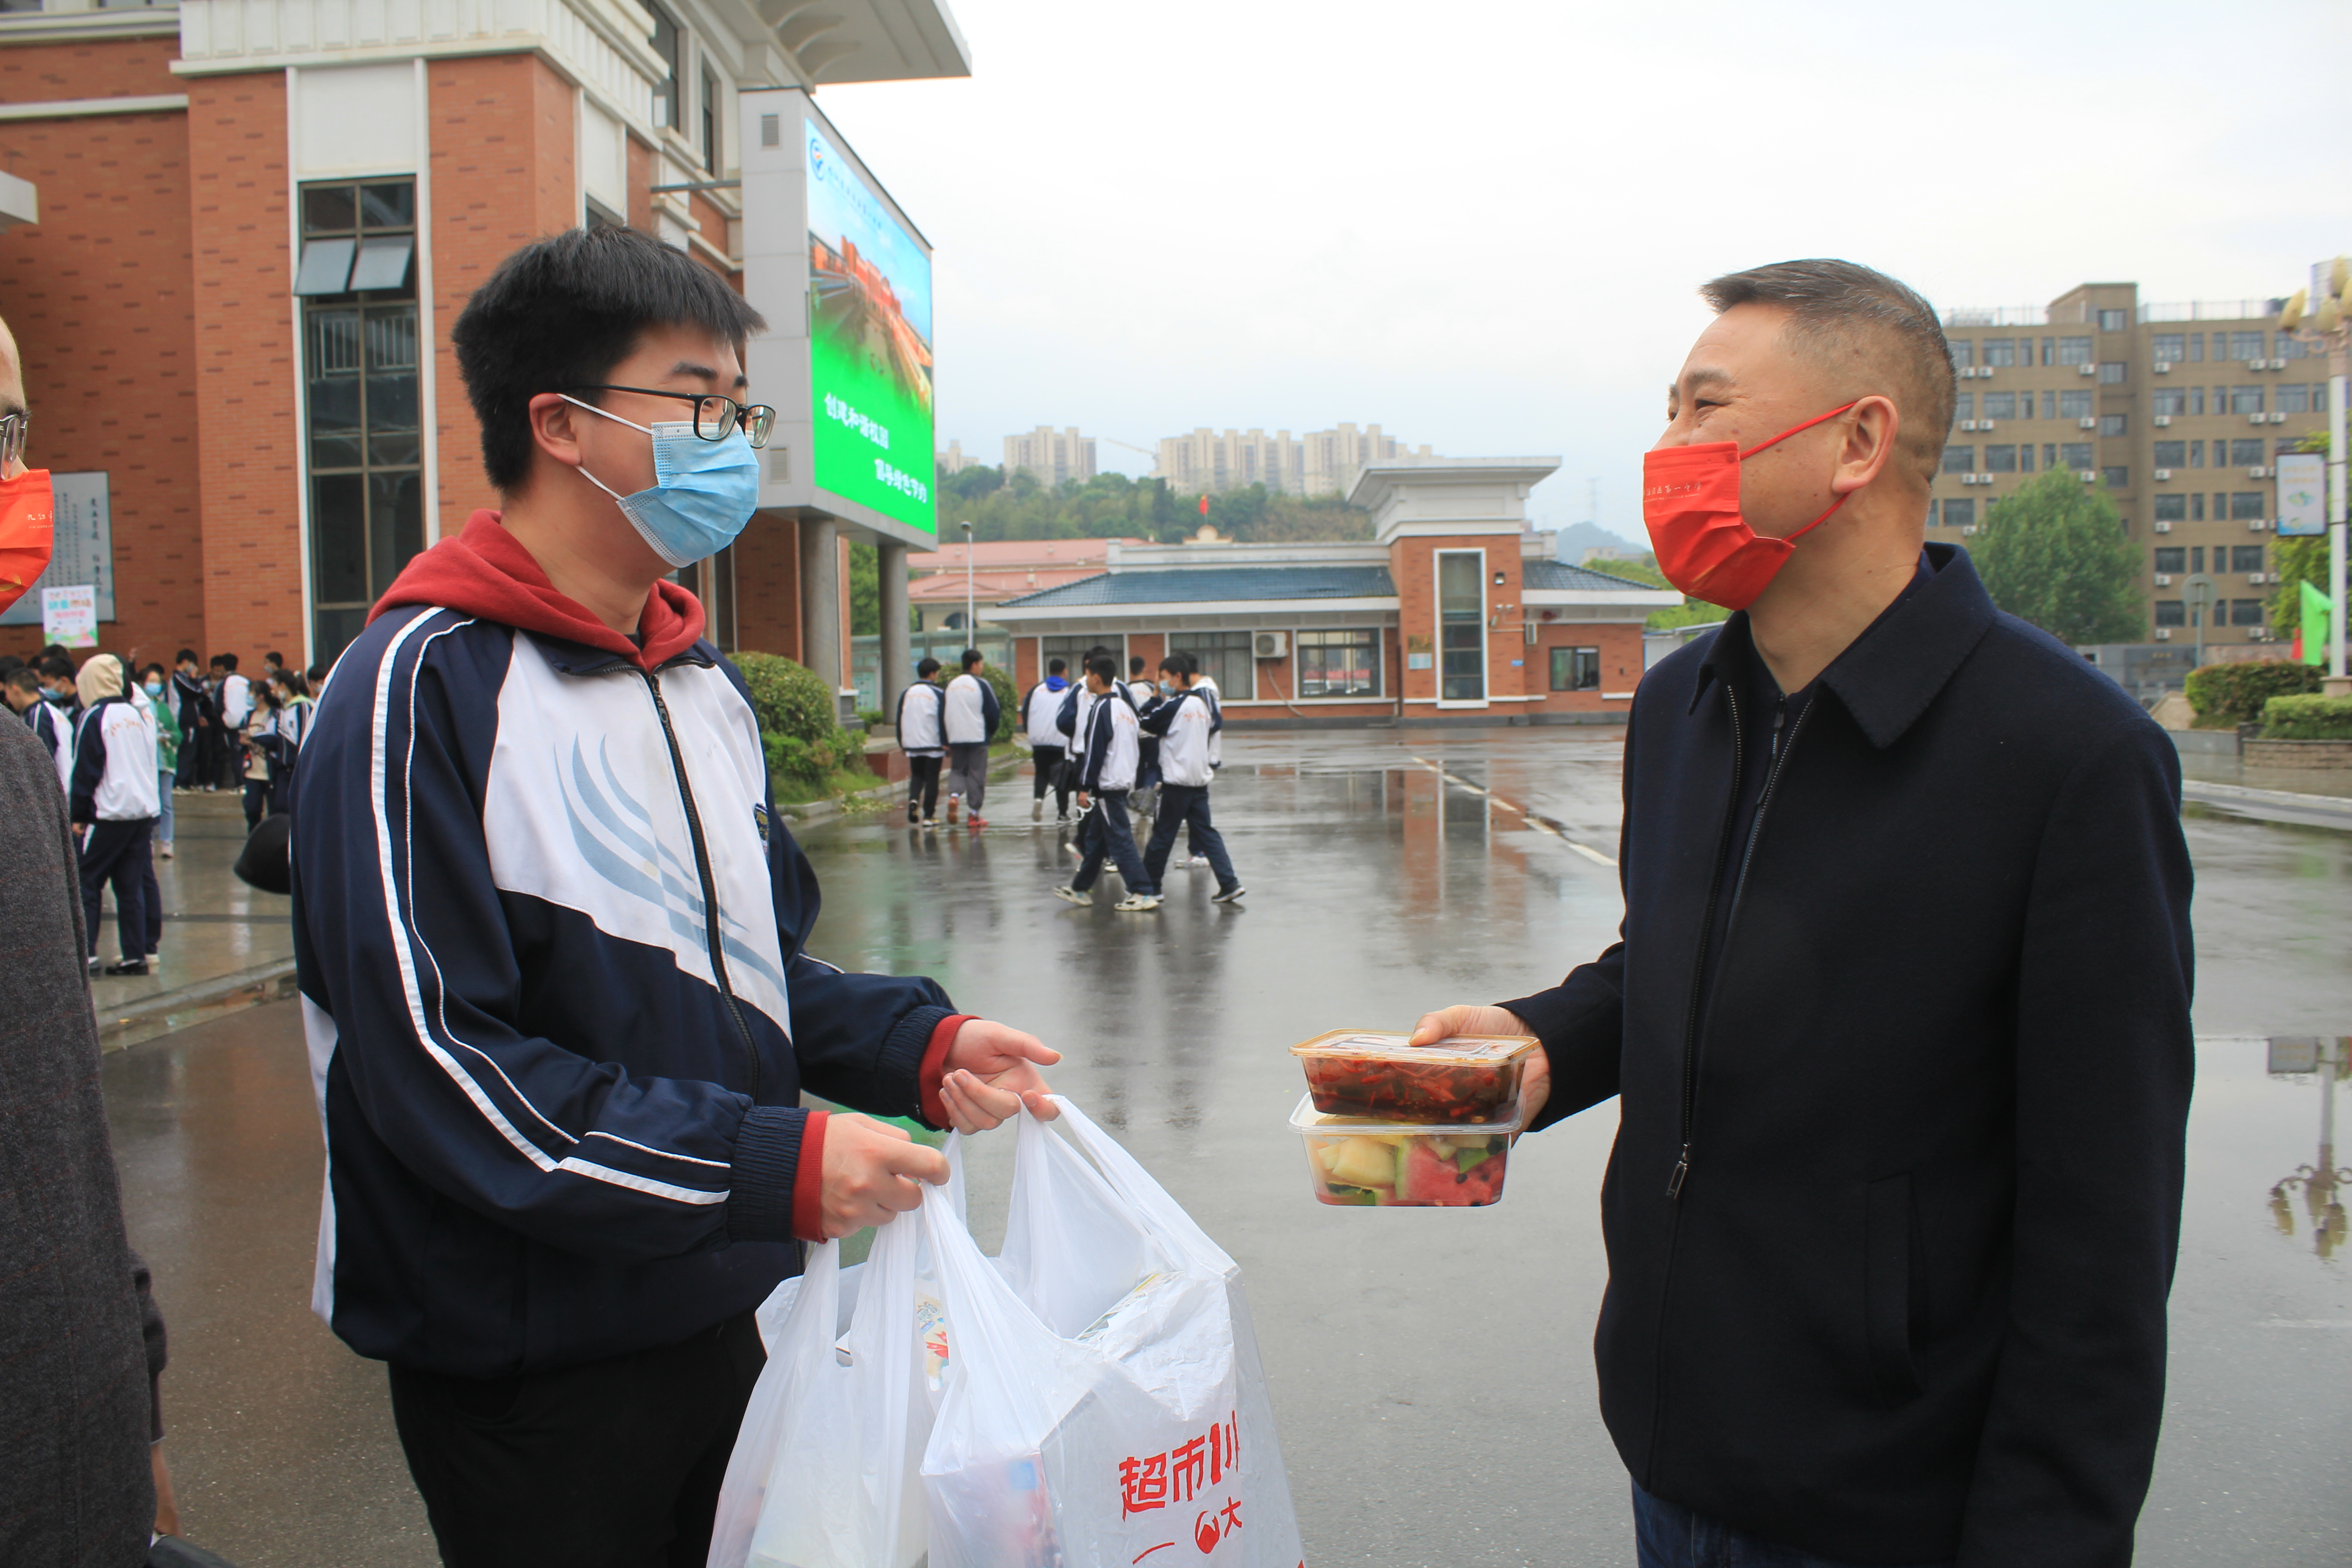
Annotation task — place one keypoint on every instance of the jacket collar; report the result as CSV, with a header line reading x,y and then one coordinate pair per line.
x,y
1889,680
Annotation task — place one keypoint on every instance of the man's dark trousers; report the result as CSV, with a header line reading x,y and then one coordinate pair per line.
x,y
116,852
923,787
1050,776
1113,837
616,1464
1179,804
1668,1535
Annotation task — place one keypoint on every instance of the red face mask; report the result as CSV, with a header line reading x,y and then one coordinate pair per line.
x,y
26,536
1690,503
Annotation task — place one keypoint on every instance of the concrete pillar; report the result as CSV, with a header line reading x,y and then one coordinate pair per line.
x,y
820,640
897,651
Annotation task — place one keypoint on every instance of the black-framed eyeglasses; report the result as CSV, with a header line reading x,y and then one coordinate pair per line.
x,y
14,428
713,415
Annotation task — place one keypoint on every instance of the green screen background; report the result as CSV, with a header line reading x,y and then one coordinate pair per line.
x,y
844,456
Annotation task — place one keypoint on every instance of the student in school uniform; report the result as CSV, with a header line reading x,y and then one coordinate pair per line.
x,y
112,800
1186,721
1041,713
1113,746
1143,693
971,713
925,743
1077,708
1207,686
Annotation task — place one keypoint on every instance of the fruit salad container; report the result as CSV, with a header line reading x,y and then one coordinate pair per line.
x,y
1364,1161
1463,1077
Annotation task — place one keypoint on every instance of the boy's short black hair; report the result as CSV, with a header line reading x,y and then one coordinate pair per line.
x,y
276,658
186,656
928,668
1105,669
24,678
560,313
227,661
1135,664
154,669
1054,666
970,657
56,666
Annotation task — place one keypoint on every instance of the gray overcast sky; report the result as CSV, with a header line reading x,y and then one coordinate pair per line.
x,y
1481,224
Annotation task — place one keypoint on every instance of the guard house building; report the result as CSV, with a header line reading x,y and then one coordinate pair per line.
x,y
1450,613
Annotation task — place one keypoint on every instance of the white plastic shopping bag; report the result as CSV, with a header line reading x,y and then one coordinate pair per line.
x,y
1104,1403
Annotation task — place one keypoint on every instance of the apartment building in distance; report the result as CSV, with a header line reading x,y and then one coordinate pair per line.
x,y
2177,411
1050,456
1319,463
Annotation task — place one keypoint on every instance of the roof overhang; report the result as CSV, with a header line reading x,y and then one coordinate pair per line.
x,y
1630,598
1012,614
835,42
1443,494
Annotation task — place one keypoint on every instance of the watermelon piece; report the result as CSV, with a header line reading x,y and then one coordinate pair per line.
x,y
1429,1176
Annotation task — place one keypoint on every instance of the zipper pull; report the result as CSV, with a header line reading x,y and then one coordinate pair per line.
x,y
1682,1169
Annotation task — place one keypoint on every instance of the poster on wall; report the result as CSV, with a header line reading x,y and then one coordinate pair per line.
x,y
869,320
70,617
82,554
2301,495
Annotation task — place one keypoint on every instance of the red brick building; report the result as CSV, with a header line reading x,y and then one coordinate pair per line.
x,y
254,220
1450,614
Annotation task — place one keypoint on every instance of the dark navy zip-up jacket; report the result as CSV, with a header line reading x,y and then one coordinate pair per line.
x,y
1890,1235
562,1121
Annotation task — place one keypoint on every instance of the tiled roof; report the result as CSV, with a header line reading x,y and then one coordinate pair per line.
x,y
1207,584
1556,575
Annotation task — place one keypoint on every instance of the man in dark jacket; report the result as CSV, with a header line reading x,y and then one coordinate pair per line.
x,y
1898,1023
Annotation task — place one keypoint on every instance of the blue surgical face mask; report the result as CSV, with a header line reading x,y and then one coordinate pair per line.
x,y
152,688
704,492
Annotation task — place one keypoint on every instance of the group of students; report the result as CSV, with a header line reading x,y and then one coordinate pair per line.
x,y
121,748
1125,748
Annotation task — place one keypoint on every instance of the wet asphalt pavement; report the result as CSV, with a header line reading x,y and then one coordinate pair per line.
x,y
1430,1369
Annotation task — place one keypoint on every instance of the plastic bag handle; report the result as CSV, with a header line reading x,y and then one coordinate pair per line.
x,y
1132,1183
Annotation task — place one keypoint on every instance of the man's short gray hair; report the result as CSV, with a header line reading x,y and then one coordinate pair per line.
x,y
1839,314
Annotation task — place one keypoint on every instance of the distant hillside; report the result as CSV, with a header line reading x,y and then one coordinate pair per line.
x,y
1577,538
1111,506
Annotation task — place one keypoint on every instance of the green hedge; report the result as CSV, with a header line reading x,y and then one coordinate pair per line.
x,y
2227,695
2307,718
1008,702
798,726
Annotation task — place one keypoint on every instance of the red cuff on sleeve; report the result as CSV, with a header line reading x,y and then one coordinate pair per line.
x,y
935,1067
808,1181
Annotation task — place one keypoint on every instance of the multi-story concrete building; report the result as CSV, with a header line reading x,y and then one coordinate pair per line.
x,y
1321,462
1050,456
953,460
2177,411
250,225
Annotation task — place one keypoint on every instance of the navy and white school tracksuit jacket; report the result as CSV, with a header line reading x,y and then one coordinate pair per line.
x,y
550,940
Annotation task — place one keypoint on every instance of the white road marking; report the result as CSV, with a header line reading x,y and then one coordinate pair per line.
x,y
1540,824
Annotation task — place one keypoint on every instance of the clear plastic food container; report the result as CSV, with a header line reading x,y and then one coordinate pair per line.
x,y
1363,1162
1463,1077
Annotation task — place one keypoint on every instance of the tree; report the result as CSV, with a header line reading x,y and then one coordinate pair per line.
x,y
865,589
1689,613
2054,553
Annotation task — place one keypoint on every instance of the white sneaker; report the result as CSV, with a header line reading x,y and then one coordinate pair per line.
x,y
1073,896
1195,862
1136,903
1038,809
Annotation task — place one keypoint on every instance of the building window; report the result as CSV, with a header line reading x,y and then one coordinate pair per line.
x,y
1963,353
2050,405
1225,658
2292,347
2075,455
2116,476
2073,405
2049,454
2172,454
2243,399
2294,397
2246,452
2002,459
2074,351
1576,670
2196,399
2171,559
2003,404
667,44
2112,320
2196,506
2244,612
2171,613
1935,512
2001,351
2196,348
1339,663
2026,455
2170,348
2171,508
1959,514
2245,345
2245,505
2111,423
710,123
360,355
2196,454
2245,558
2169,402
1964,406
1462,626
2111,373
1960,460
2319,398
2049,351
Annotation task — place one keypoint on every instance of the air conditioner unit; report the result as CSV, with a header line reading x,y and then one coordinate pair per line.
x,y
1967,530
2261,473
2258,418
2164,633
2257,524
2162,367
2164,579
2278,417
2087,370
2164,528
2259,634
2088,422
2163,474
1270,645
2259,578
2163,420
2088,476
2278,364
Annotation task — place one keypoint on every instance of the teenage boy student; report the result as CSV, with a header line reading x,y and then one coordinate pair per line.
x,y
1040,712
925,743
552,940
970,715
1898,1018
1107,774
112,800
199,720
1185,720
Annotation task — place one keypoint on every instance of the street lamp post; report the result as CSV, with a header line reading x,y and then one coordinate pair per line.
x,y
969,630
2199,592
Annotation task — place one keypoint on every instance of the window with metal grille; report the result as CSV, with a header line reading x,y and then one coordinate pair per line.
x,y
2171,613
2001,460
2245,558
2244,612
2171,454
1576,670
1339,663
2074,351
2171,559
2075,455
2001,351
2003,404
2246,452
1960,460
2247,504
1225,658
1462,626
